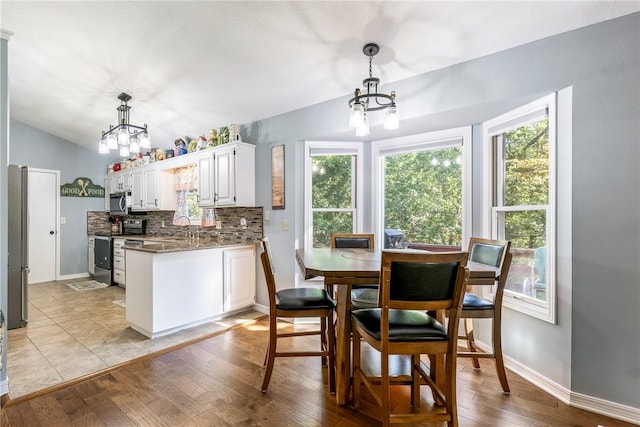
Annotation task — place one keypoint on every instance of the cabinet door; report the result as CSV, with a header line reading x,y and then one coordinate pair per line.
x,y
151,189
225,172
137,191
91,256
206,192
126,180
239,277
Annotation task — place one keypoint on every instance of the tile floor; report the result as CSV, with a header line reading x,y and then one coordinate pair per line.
x,y
75,333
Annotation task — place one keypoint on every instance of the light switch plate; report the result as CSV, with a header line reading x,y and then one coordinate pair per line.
x,y
63,220
266,215
285,225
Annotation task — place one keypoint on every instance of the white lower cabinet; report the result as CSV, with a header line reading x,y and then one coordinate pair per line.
x,y
91,256
119,266
177,290
239,277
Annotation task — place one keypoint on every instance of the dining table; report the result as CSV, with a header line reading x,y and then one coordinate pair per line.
x,y
342,268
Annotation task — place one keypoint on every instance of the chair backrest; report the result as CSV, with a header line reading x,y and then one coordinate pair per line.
x,y
269,271
348,240
423,281
495,253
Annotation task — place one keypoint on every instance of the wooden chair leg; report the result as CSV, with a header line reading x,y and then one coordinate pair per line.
x,y
415,381
323,338
385,390
332,354
451,404
471,344
271,353
356,370
497,354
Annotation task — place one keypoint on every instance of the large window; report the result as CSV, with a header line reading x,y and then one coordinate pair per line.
x,y
520,148
333,191
422,190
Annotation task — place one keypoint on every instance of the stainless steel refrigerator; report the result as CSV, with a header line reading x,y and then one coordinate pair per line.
x,y
18,272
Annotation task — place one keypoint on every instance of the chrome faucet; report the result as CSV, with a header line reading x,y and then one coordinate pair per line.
x,y
189,232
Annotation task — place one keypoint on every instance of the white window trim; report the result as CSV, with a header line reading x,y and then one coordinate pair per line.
x,y
332,148
518,302
408,144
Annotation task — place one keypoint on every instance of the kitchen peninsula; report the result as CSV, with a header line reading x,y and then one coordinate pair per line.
x,y
180,283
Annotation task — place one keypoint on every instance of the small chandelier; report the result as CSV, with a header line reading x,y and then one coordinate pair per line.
x,y
128,138
361,103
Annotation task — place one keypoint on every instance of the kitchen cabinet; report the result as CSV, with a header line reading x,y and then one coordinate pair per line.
x,y
119,266
173,290
153,189
226,176
239,278
91,256
119,181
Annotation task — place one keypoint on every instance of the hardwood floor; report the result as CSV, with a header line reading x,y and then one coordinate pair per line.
x,y
216,382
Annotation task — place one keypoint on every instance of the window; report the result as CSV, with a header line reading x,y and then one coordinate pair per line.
x,y
333,190
423,189
186,181
520,150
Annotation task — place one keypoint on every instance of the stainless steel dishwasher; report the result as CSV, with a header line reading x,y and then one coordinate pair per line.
x,y
103,252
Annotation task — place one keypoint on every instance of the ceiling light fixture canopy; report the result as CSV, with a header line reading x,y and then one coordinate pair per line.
x,y
371,100
128,138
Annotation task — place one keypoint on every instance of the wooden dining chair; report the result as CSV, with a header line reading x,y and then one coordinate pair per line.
x,y
297,303
362,295
412,283
494,253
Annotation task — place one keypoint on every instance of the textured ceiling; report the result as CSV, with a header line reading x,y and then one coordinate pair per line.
x,y
191,66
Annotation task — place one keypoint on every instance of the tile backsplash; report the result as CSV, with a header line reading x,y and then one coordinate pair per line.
x,y
98,222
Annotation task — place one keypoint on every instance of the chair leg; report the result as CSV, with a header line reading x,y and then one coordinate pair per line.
x,y
385,390
415,381
497,354
471,344
356,370
451,404
332,353
271,354
323,338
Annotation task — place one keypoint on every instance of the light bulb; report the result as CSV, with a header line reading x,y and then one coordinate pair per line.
x,y
145,141
123,137
124,151
102,146
134,147
356,116
391,120
363,129
112,142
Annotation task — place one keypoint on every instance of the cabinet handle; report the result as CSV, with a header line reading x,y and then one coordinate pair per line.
x,y
140,202
155,201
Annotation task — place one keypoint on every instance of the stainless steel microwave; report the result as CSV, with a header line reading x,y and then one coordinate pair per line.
x,y
120,203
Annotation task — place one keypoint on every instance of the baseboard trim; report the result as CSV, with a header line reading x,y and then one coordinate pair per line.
x,y
261,308
73,276
578,400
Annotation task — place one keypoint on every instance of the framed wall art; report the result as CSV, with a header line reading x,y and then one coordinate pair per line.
x,y
277,177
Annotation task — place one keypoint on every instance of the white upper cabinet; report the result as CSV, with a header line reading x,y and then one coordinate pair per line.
x,y
226,176
153,189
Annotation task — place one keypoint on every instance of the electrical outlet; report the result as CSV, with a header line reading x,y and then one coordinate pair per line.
x,y
243,223
63,220
162,225
218,224
266,215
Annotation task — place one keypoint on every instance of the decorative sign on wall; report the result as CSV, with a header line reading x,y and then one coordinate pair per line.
x,y
277,177
81,187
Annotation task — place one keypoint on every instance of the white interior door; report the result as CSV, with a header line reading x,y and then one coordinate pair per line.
x,y
43,225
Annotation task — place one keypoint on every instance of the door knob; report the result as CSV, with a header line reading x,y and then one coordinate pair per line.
x,y
51,232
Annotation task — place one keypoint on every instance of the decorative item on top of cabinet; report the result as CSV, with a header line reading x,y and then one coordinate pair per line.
x,y
213,138
234,133
223,135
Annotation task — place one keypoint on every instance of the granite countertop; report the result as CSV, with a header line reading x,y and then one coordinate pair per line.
x,y
164,245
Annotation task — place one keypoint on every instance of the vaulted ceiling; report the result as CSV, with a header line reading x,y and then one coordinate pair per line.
x,y
191,66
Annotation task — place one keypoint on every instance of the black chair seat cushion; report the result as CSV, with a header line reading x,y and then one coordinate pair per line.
x,y
404,325
303,299
474,302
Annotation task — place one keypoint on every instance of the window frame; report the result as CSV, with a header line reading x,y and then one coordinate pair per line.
x,y
411,143
328,148
543,310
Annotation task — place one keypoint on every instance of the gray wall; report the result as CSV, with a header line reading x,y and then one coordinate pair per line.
x,y
4,161
38,149
594,349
